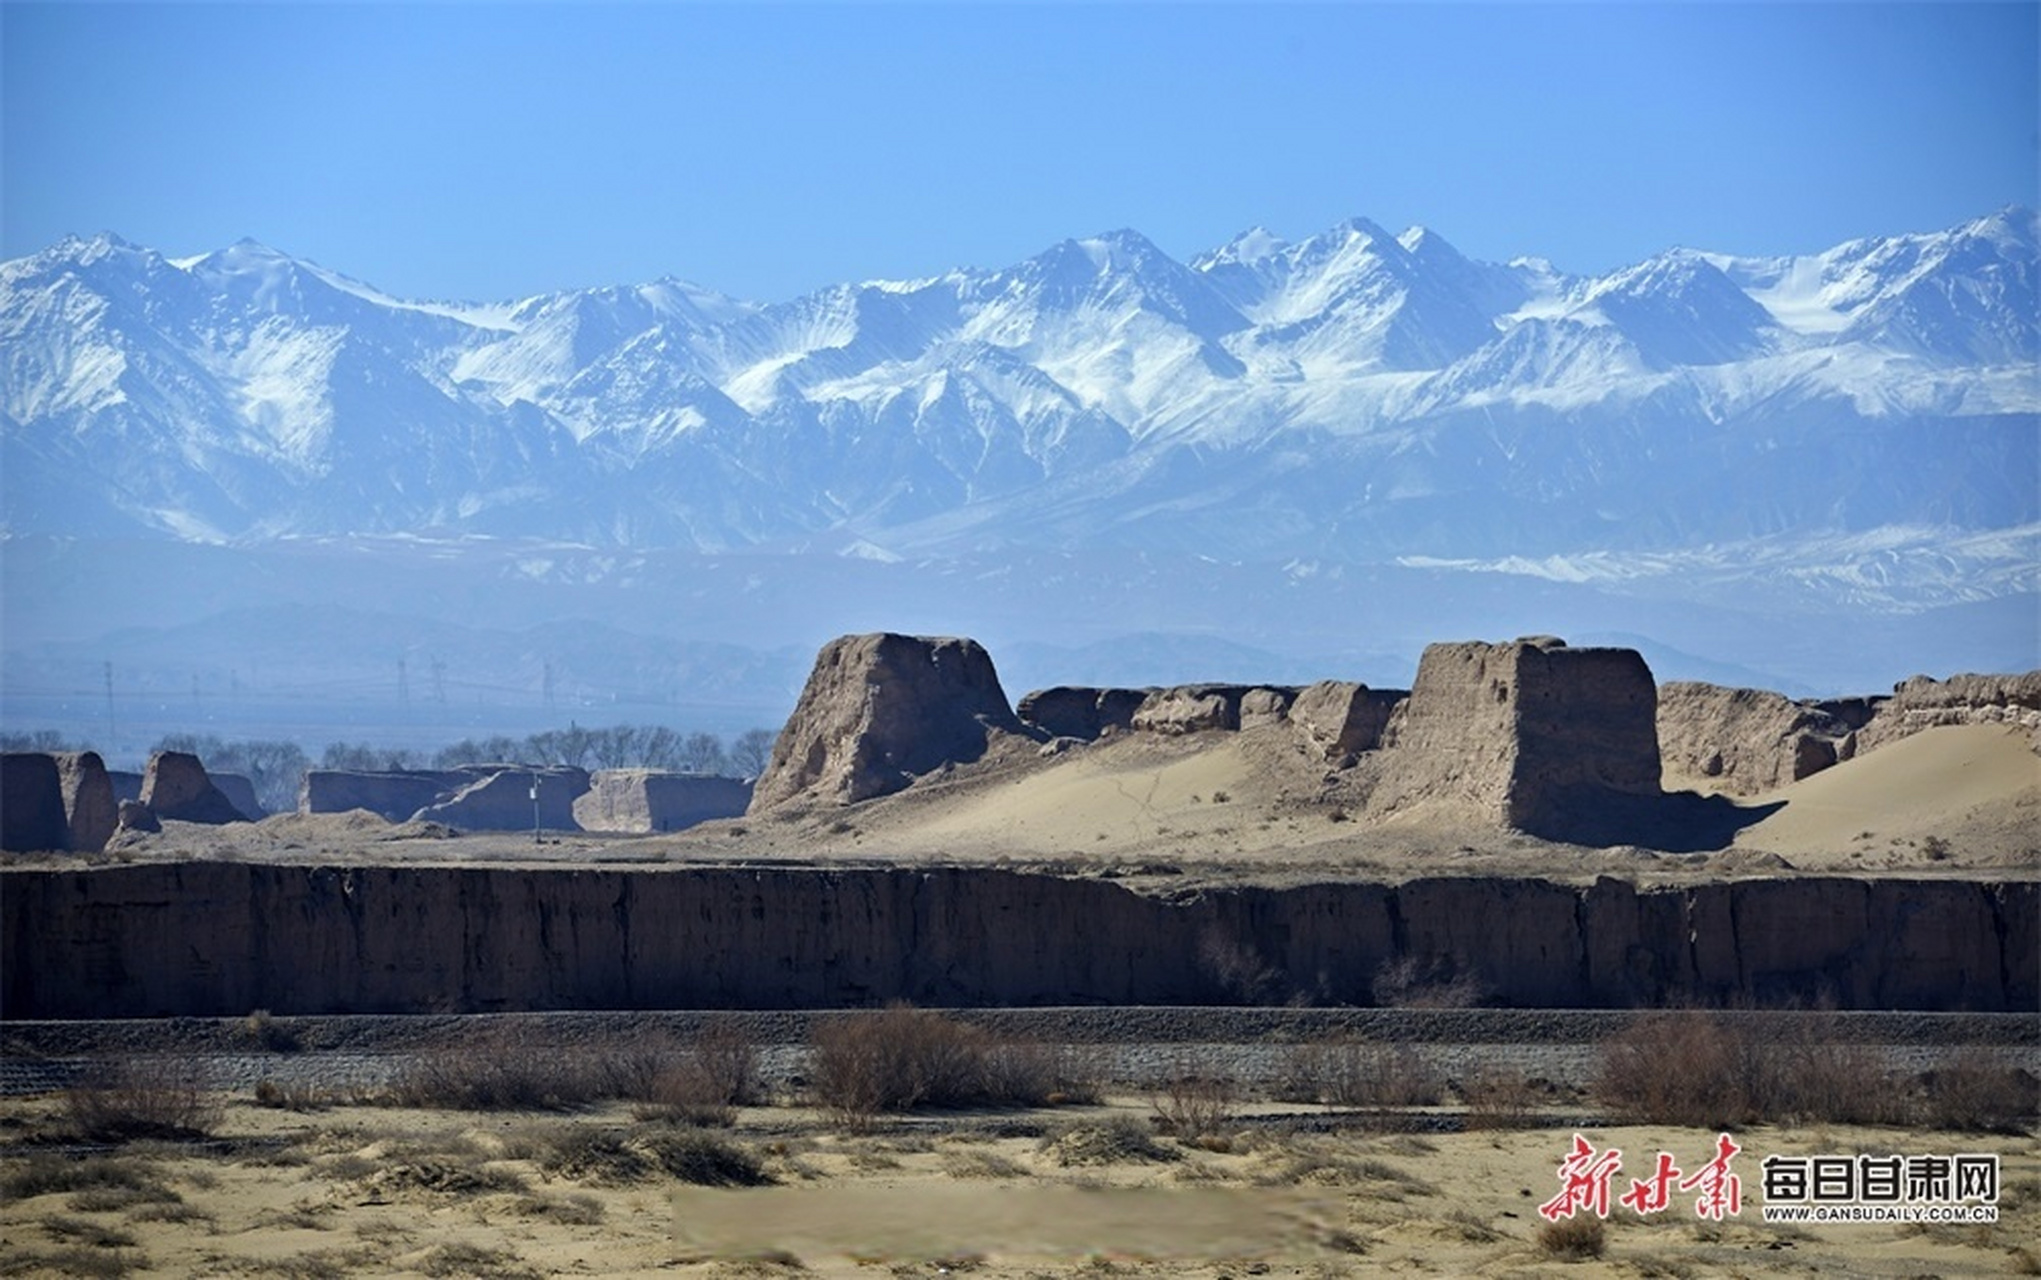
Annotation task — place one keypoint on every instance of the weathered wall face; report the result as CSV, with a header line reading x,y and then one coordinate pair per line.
x,y
877,711
647,800
1530,734
1344,718
219,939
31,803
1748,741
89,807
1925,703
240,792
391,794
175,786
502,801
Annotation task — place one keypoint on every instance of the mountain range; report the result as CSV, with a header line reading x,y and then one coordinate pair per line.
x,y
1355,395
1705,450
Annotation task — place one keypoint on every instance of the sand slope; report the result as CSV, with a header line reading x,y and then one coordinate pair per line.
x,y
1975,787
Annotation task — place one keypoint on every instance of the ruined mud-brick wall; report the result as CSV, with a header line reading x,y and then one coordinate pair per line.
x,y
1530,734
221,939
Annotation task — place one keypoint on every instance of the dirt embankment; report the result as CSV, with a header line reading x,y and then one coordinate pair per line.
x,y
220,939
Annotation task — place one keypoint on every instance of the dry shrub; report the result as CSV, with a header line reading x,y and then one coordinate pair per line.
x,y
500,1070
1974,1092
1574,1239
1236,969
142,1098
685,1093
728,1059
1498,1098
583,1152
263,1029
1405,983
1712,1070
1194,1108
901,1058
290,1096
1684,1068
1354,1073
1805,1072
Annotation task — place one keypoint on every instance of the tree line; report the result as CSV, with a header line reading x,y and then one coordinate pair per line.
x,y
276,767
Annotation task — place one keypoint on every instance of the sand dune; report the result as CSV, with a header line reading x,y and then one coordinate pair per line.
x,y
1975,789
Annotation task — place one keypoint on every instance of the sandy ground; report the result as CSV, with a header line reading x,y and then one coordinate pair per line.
x,y
361,1190
1976,788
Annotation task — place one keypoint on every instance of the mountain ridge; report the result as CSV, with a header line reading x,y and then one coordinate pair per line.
x,y
1355,395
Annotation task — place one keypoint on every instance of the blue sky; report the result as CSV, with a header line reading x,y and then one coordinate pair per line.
x,y
482,151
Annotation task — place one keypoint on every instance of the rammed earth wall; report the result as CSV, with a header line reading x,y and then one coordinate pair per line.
x,y
221,939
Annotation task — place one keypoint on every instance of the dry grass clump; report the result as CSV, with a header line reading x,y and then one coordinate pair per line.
x,y
105,1199
83,1232
901,1058
42,1175
577,1210
1306,1161
473,1262
1118,1140
1351,1072
141,1098
706,1161
1574,1239
593,1153
980,1164
95,1264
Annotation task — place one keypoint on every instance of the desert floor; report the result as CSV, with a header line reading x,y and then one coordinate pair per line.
x,y
343,1190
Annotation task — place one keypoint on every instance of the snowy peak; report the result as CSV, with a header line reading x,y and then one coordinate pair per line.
x,y
1118,273
1361,393
1680,309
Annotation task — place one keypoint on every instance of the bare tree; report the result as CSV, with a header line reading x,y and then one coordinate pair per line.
x,y
752,752
703,753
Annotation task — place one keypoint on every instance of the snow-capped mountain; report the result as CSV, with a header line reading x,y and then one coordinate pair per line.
x,y
1356,395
